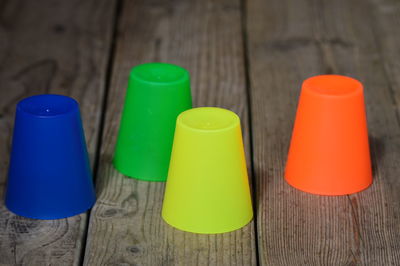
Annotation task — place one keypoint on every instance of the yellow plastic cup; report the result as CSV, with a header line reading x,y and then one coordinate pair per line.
x,y
207,189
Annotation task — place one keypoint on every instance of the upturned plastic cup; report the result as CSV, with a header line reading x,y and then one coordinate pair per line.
x,y
157,93
49,174
207,189
329,151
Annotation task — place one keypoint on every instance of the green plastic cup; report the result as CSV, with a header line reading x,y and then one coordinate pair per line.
x,y
157,93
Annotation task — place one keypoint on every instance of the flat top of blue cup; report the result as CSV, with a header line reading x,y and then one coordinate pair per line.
x,y
48,105
159,73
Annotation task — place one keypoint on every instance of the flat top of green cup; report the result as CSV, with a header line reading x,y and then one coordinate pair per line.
x,y
159,73
209,119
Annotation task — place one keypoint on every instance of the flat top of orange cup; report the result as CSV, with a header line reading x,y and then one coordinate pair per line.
x,y
208,119
332,85
159,73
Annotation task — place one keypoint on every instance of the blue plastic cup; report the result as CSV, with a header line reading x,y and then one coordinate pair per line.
x,y
49,174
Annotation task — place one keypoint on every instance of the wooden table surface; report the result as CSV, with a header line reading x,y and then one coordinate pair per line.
x,y
249,56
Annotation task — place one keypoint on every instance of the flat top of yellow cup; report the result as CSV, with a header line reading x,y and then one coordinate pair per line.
x,y
159,73
210,119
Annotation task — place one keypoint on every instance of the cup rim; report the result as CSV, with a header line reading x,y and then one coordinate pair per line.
x,y
345,86
26,106
235,120
184,76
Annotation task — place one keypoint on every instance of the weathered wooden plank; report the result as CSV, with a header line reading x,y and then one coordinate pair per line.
x,y
378,211
125,225
288,42
50,47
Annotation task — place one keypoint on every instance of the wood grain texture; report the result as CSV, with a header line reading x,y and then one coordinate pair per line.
x,y
288,42
203,36
49,47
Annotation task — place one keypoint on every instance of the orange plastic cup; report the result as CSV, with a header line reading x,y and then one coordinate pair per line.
x,y
329,151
